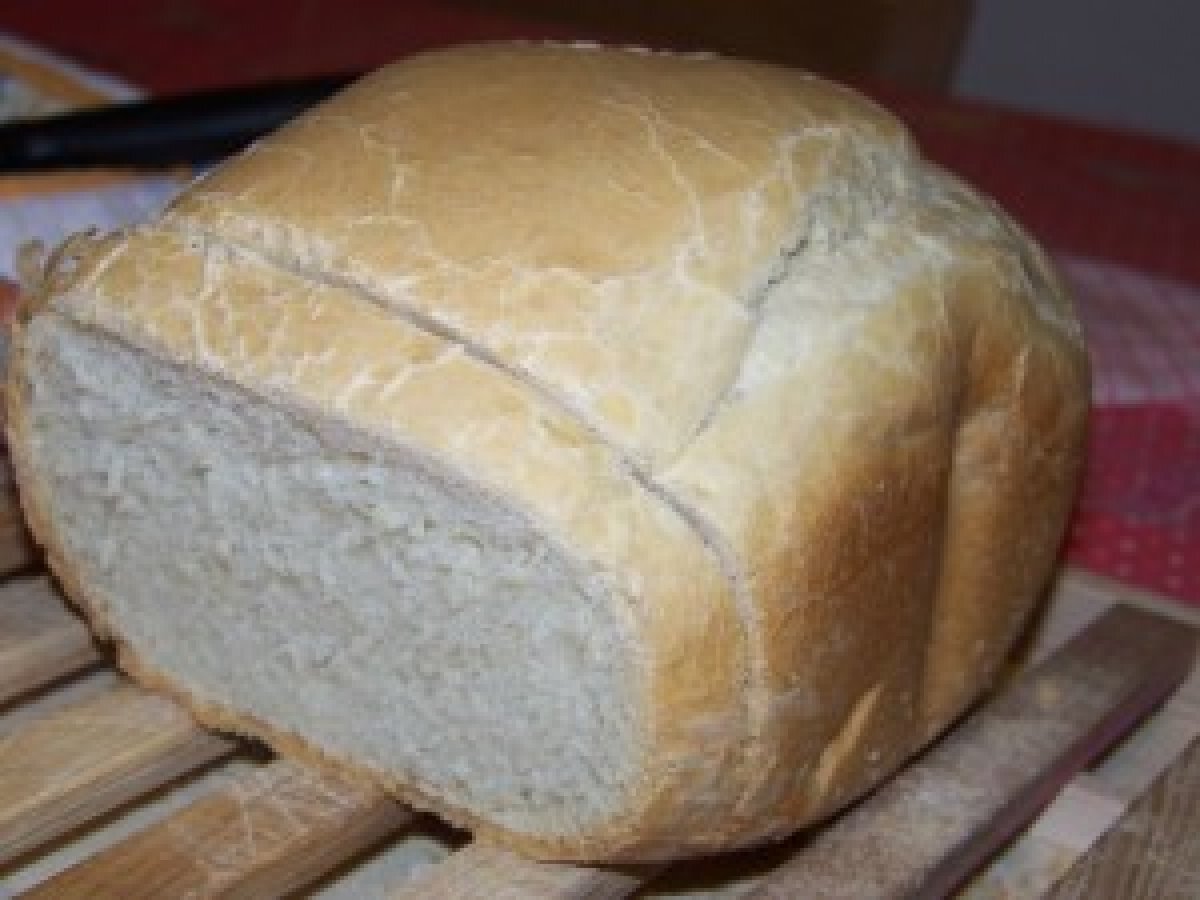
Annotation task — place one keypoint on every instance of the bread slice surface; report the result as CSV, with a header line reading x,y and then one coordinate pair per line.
x,y
339,546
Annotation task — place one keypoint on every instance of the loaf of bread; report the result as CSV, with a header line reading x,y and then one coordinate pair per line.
x,y
625,455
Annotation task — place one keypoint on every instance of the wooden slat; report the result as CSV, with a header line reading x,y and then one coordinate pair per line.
x,y
1153,852
928,828
264,834
484,872
40,639
81,761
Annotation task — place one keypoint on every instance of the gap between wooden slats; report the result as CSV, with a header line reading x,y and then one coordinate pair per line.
x,y
484,872
265,833
40,639
84,760
1153,851
16,547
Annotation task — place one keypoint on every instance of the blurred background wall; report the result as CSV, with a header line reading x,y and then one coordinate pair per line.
x,y
1131,63
913,42
1128,63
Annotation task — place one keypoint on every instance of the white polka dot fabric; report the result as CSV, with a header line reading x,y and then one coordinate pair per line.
x,y
1139,514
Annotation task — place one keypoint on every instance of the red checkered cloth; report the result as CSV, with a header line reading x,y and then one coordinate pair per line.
x,y
1138,518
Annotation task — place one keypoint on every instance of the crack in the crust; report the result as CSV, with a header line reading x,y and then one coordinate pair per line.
x,y
429,325
788,258
411,316
757,304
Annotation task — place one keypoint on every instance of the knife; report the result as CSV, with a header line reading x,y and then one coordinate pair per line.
x,y
196,128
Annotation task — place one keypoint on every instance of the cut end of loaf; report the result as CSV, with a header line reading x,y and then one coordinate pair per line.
x,y
363,601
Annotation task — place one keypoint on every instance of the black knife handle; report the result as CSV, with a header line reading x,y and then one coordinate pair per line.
x,y
194,128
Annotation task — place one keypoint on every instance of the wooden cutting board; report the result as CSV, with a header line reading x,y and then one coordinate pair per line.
x,y
79,755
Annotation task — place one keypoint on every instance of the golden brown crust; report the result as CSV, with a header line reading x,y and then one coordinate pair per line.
x,y
842,486
926,391
597,220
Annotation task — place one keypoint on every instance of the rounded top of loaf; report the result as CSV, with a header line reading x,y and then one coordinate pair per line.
x,y
607,223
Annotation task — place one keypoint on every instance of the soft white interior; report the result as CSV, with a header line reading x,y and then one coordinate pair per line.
x,y
364,600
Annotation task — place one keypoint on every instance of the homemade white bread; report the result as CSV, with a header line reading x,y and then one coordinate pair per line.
x,y
625,455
